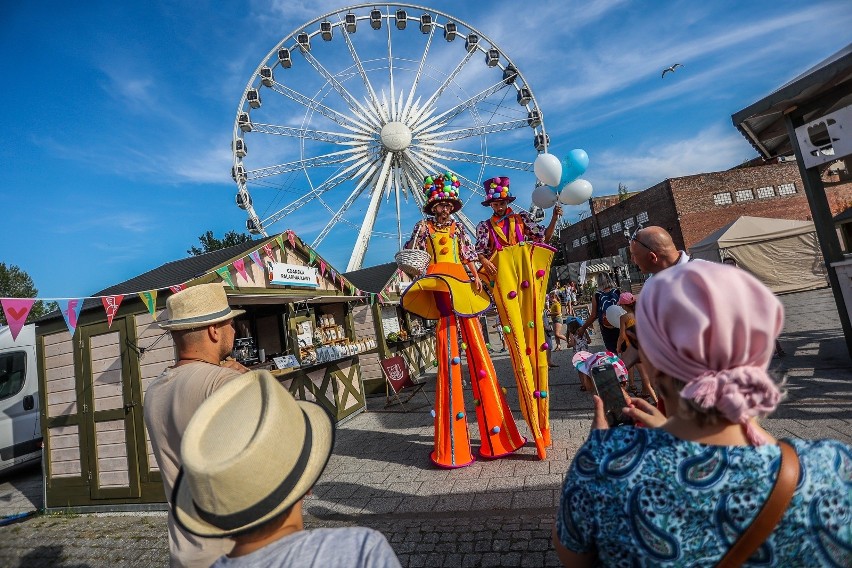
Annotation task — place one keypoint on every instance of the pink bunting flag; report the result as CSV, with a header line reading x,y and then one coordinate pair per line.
x,y
255,256
177,288
240,265
149,298
341,282
16,310
267,250
322,267
291,236
71,312
111,304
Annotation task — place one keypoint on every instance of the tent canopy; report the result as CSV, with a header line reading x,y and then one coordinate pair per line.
x,y
783,254
751,229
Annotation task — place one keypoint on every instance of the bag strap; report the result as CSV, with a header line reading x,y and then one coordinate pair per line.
x,y
771,512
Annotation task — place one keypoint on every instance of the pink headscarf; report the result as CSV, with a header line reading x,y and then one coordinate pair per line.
x,y
714,327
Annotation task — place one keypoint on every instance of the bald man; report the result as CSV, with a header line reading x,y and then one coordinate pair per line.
x,y
653,250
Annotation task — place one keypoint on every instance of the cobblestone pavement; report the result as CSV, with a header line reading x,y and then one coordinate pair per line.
x,y
492,513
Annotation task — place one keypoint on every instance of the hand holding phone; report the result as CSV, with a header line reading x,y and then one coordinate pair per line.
x,y
607,387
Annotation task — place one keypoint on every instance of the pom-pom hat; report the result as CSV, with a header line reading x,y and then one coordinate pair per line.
x,y
442,188
497,189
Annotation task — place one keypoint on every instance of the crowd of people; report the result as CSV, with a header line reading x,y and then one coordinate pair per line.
x,y
683,482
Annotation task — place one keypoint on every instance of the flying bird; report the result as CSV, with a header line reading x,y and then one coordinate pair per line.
x,y
672,68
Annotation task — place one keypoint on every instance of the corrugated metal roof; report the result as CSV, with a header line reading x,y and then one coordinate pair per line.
x,y
168,274
827,86
372,279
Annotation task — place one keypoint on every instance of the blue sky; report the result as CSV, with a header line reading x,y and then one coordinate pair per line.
x,y
119,116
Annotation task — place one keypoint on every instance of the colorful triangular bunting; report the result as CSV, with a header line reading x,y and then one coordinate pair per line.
x,y
71,312
322,267
111,304
240,265
149,298
255,256
16,310
177,288
226,275
267,250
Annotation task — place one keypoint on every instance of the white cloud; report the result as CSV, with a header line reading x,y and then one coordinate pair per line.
x,y
712,149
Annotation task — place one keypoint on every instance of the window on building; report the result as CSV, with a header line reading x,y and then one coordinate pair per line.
x,y
642,217
787,189
765,192
616,227
576,243
722,198
593,237
744,195
584,240
605,232
628,222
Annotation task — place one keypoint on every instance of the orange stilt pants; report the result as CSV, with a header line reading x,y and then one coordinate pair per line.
x,y
498,432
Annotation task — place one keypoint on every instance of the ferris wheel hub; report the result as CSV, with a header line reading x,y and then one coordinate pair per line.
x,y
395,136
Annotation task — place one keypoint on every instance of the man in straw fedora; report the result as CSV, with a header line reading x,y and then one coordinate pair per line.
x,y
250,455
201,324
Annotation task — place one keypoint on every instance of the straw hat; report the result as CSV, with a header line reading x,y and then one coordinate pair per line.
x,y
249,453
199,306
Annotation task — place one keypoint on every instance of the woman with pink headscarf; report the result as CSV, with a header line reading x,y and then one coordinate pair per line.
x,y
683,492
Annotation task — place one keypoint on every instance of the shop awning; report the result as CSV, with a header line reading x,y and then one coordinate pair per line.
x,y
600,267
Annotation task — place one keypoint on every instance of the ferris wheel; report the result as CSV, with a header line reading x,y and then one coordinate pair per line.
x,y
353,109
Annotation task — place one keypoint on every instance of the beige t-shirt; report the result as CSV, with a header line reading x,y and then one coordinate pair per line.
x,y
169,403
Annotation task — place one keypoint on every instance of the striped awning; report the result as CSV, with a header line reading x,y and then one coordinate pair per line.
x,y
600,267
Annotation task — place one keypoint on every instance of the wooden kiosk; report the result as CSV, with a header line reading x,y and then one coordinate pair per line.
x,y
92,384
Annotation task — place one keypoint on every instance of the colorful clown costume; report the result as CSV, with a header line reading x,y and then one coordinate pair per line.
x,y
519,289
446,293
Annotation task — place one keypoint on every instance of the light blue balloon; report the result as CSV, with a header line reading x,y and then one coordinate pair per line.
x,y
573,166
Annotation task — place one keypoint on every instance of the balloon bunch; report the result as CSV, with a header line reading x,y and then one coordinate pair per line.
x,y
563,179
499,187
441,186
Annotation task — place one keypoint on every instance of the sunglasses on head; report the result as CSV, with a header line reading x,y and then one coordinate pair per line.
x,y
634,239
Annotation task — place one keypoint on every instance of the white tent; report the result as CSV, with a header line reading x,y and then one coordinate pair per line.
x,y
782,253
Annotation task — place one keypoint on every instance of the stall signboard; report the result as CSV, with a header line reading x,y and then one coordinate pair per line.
x,y
293,275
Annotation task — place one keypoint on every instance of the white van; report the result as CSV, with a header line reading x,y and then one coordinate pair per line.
x,y
20,428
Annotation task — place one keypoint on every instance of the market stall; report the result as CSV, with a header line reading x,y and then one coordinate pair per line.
x,y
395,331
93,375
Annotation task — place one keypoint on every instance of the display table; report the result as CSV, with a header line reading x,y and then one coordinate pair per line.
x,y
335,385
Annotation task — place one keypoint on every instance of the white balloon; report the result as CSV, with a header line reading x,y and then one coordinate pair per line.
x,y
544,197
575,193
548,169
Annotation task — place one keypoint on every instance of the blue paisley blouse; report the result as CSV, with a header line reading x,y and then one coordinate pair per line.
x,y
641,497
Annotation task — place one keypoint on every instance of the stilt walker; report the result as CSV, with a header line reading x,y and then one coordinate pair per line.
x,y
515,265
447,293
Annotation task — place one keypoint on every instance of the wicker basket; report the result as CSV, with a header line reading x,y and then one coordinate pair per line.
x,y
412,262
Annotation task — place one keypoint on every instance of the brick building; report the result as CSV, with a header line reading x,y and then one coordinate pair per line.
x,y
692,207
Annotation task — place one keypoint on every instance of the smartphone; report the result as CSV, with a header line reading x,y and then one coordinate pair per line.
x,y
608,388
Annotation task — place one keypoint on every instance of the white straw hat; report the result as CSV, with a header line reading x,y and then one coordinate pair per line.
x,y
199,306
249,453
